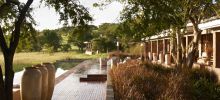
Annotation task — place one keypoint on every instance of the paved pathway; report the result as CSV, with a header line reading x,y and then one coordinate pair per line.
x,y
68,86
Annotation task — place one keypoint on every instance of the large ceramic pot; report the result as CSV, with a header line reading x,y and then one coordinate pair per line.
x,y
31,84
44,72
51,79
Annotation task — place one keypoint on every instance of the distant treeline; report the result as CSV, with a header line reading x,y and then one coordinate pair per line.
x,y
103,38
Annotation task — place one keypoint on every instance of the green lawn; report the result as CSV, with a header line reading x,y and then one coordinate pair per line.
x,y
27,59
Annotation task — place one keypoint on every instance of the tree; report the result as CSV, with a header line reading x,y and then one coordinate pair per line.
x,y
28,42
103,44
14,15
196,11
80,35
107,30
51,40
105,37
160,15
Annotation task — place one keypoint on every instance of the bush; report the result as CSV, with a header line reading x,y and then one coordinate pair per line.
x,y
134,80
205,90
197,74
65,47
122,55
103,44
136,83
50,40
135,49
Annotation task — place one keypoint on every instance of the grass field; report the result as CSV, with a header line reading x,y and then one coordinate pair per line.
x,y
27,59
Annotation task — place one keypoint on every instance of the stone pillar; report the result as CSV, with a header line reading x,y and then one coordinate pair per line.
x,y
161,57
167,59
155,57
100,64
216,49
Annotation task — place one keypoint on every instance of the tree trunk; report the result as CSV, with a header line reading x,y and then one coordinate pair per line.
x,y
183,55
192,54
2,93
9,75
173,45
7,85
179,50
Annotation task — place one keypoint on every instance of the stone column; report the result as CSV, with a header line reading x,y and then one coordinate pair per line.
x,y
167,59
216,49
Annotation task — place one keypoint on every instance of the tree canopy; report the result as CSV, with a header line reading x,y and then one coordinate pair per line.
x,y
15,15
144,18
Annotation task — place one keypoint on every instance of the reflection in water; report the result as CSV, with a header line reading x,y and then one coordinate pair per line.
x,y
59,72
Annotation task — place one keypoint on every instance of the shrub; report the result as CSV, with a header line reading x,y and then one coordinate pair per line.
x,y
65,47
134,80
122,55
135,49
197,74
103,44
158,68
205,90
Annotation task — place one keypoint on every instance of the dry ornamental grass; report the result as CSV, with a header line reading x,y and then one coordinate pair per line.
x,y
134,80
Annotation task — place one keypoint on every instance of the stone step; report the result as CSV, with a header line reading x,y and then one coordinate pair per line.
x,y
94,78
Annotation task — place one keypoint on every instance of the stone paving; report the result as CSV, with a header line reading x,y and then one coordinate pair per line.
x,y
68,86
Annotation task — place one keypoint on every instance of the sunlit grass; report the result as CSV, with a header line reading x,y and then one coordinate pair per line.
x,y
29,58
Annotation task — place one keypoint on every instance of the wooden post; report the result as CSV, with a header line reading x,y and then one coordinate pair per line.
x,y
151,50
157,47
187,44
145,51
216,49
200,48
164,46
151,46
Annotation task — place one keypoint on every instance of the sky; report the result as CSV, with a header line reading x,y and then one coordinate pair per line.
x,y
47,18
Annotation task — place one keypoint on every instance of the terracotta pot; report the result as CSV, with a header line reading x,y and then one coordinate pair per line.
x,y
44,83
51,79
31,84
